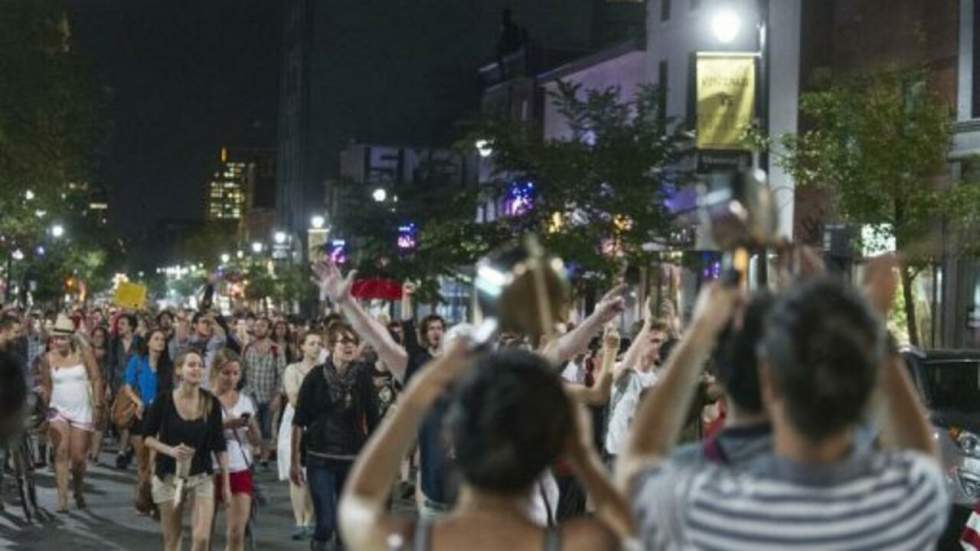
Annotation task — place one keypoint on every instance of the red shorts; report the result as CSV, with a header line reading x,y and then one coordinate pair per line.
x,y
241,483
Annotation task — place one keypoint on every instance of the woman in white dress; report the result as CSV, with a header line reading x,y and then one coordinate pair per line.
x,y
71,384
291,381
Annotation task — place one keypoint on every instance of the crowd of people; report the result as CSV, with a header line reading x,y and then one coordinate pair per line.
x,y
772,420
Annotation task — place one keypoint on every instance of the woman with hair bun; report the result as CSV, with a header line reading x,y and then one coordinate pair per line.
x,y
510,419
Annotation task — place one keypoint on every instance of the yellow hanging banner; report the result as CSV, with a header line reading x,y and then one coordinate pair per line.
x,y
130,295
725,99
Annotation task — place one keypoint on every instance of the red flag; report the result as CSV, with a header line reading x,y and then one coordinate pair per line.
x,y
376,288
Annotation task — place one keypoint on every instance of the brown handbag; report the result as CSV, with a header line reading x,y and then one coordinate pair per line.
x,y
123,411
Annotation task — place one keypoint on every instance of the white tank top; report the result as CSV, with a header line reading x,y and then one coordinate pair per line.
x,y
70,393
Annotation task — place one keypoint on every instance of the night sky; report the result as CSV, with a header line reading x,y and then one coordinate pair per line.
x,y
183,78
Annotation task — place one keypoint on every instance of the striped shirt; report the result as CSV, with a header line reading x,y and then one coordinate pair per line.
x,y
890,500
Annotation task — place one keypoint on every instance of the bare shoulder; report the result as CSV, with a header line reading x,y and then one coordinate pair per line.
x,y
587,534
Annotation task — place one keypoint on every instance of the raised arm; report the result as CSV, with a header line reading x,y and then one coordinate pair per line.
x,y
598,393
636,346
897,407
365,522
337,287
664,410
566,346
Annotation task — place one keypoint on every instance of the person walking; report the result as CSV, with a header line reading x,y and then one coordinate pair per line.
x,y
149,374
337,409
71,385
263,362
184,428
123,347
241,435
292,380
99,340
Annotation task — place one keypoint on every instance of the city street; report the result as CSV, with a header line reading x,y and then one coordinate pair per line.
x,y
111,523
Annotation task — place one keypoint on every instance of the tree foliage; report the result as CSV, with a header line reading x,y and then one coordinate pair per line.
x,y
598,196
878,143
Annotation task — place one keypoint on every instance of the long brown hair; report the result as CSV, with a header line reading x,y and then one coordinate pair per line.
x,y
179,366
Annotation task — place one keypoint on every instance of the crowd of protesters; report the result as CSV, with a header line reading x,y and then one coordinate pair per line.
x,y
775,419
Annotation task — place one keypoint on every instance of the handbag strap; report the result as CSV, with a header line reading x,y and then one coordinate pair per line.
x,y
241,447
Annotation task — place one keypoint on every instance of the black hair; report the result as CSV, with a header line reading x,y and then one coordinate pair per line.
x,y
197,317
130,318
509,420
734,358
165,313
7,321
822,346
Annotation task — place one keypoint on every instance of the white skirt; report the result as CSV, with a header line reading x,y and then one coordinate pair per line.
x,y
284,450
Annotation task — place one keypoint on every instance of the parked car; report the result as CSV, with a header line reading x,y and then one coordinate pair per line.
x,y
949,384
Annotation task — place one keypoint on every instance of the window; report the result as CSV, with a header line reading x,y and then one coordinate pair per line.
x,y
664,10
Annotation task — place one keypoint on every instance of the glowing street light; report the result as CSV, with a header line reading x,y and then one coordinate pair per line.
x,y
317,221
380,195
225,257
279,237
57,230
240,254
29,195
17,254
484,148
256,247
725,25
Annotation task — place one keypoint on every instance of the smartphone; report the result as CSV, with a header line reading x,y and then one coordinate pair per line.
x,y
245,416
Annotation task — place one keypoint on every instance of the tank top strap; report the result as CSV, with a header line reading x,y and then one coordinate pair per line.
x,y
422,540
552,539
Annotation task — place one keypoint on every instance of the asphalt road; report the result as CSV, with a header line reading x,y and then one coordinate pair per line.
x,y
111,523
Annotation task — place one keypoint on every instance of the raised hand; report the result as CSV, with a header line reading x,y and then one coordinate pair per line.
x,y
881,282
612,303
328,278
716,305
610,339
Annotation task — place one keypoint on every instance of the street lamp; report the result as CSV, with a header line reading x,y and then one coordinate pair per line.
x,y
279,237
28,195
57,230
725,25
256,247
17,254
380,195
240,254
39,250
225,257
317,221
484,148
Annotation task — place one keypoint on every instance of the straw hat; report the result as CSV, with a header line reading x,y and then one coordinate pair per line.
x,y
63,326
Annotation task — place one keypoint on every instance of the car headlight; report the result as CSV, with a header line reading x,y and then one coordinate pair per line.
x,y
968,442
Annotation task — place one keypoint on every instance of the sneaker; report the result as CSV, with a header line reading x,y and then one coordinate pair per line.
x,y
299,533
121,462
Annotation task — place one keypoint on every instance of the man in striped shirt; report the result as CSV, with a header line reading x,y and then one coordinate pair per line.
x,y
820,359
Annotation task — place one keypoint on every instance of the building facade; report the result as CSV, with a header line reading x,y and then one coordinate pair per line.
x,y
242,190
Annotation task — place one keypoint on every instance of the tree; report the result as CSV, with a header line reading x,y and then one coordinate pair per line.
x,y
49,130
600,193
596,196
878,144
